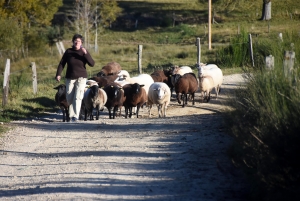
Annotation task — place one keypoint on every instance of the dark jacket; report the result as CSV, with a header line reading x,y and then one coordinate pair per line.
x,y
76,61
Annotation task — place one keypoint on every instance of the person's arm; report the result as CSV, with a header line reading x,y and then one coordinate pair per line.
x,y
60,67
88,57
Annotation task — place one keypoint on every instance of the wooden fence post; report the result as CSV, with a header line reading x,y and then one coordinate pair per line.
x,y
59,48
140,50
288,63
198,44
34,77
251,49
62,47
280,37
6,82
269,62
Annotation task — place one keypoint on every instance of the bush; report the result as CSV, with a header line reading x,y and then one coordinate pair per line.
x,y
236,54
265,124
182,55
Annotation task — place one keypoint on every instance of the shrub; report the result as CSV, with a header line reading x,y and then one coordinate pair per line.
x,y
265,124
236,54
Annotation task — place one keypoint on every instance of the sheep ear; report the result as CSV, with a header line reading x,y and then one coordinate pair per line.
x,y
141,85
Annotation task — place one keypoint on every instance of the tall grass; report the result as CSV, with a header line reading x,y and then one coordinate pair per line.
x,y
236,54
265,124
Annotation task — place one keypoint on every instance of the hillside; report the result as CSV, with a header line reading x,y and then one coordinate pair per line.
x,y
162,12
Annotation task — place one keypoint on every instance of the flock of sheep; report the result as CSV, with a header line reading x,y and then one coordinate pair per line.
x,y
113,88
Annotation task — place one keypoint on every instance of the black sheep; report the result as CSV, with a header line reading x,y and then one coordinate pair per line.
x,y
61,100
115,98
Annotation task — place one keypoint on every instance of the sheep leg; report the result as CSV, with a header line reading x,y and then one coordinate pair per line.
x,y
67,114
130,112
137,110
184,101
109,112
85,114
150,106
64,114
193,98
115,111
91,114
164,109
178,99
97,112
159,111
208,98
217,89
126,112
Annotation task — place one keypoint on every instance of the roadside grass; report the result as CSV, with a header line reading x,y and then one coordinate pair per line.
x,y
265,125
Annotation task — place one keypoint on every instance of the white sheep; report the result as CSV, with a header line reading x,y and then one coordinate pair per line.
x,y
159,94
181,70
123,75
142,79
206,84
215,72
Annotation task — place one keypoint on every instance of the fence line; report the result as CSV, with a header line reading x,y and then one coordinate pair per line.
x,y
138,58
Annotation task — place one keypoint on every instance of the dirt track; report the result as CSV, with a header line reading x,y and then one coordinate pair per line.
x,y
181,157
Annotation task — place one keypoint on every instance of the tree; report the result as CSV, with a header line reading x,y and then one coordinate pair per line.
x,y
109,11
88,13
266,10
30,12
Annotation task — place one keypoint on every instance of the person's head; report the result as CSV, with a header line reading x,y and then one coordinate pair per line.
x,y
77,41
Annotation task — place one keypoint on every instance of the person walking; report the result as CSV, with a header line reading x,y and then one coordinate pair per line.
x,y
76,59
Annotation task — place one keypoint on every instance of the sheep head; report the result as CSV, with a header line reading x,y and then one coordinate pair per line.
x,y
160,93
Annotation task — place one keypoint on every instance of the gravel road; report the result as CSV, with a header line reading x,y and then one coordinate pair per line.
x,y
181,157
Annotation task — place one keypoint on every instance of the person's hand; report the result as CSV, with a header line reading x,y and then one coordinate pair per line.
x,y
84,50
58,78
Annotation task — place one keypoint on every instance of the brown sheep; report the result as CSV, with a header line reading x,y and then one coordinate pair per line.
x,y
115,98
111,68
159,76
164,76
61,100
103,81
185,84
135,97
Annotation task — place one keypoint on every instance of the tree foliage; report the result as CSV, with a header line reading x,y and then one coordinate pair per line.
x,y
109,11
33,12
10,34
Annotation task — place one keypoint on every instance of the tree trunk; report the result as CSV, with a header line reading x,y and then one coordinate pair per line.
x,y
266,11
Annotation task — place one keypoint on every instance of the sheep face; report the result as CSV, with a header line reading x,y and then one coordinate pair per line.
x,y
176,78
175,70
160,93
101,74
61,89
94,90
200,71
137,87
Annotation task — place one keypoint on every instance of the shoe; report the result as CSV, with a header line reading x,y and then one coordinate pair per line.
x,y
74,120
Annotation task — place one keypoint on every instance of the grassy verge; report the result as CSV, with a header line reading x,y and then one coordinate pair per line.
x,y
266,129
